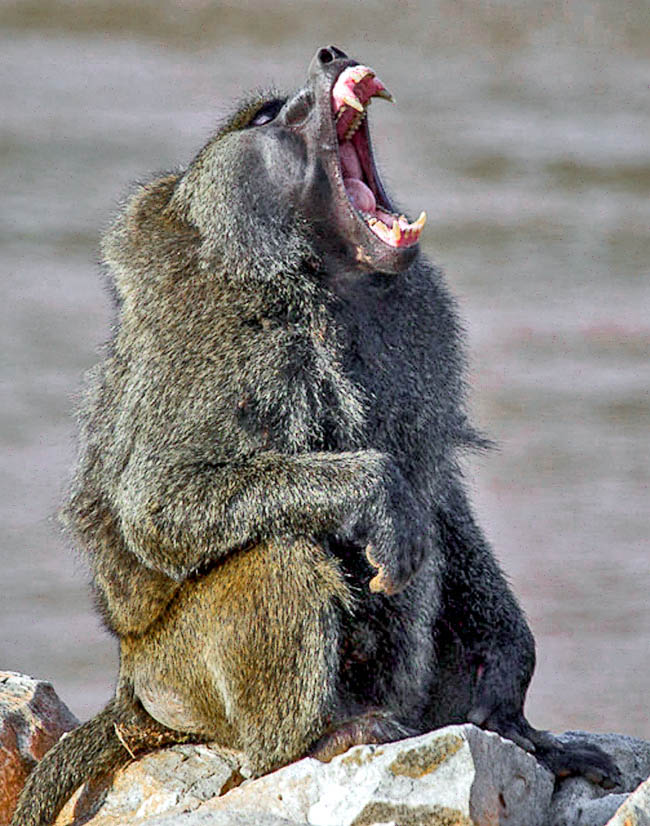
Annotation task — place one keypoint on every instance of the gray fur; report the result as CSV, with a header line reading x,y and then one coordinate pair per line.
x,y
278,396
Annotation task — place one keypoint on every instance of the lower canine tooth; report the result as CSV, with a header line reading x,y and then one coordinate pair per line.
x,y
396,231
421,221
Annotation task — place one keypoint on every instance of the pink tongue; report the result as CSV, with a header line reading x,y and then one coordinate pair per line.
x,y
349,160
360,195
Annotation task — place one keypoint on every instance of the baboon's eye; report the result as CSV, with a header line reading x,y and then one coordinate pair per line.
x,y
266,113
299,108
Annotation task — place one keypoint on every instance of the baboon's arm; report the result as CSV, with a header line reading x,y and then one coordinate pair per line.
x,y
178,516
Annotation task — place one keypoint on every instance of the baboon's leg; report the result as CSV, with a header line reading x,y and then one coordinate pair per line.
x,y
486,653
247,654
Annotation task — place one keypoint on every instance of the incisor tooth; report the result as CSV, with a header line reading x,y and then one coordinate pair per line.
x,y
358,73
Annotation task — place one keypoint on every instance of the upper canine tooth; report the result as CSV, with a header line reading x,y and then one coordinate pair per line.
x,y
353,101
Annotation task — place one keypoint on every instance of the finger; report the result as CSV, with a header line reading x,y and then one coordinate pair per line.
x,y
371,559
478,715
517,738
381,582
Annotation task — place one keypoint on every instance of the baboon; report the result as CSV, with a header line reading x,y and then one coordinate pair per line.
x,y
268,491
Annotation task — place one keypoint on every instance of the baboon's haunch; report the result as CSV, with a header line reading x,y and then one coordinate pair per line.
x,y
268,492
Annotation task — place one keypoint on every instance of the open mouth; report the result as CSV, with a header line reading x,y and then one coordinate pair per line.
x,y
352,93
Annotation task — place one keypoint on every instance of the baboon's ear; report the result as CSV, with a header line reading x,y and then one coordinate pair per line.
x,y
150,242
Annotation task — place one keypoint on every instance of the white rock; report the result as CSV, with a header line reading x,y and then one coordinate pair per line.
x,y
635,811
458,774
180,776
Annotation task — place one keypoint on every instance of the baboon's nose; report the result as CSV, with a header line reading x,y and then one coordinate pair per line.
x,y
329,53
324,57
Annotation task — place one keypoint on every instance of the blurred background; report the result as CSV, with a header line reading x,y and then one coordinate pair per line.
x,y
521,127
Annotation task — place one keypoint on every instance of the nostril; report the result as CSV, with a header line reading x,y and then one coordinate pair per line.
x,y
337,52
326,56
320,64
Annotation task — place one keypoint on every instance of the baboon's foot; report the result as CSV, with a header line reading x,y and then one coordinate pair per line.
x,y
580,758
371,727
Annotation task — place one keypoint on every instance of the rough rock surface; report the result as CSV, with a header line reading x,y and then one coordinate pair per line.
x,y
456,776
635,811
180,776
580,803
32,718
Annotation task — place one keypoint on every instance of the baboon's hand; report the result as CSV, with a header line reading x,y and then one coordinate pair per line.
x,y
395,534
397,558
